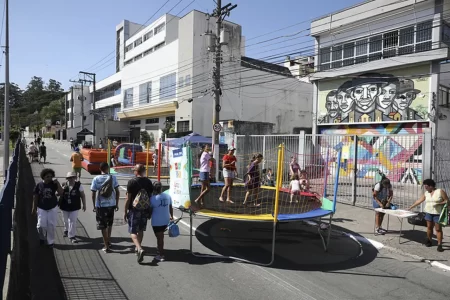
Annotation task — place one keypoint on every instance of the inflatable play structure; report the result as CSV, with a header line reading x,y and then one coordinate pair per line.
x,y
92,158
263,200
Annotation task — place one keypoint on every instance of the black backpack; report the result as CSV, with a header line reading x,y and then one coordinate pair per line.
x,y
107,188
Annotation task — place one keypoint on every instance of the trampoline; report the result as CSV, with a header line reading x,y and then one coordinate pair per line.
x,y
271,204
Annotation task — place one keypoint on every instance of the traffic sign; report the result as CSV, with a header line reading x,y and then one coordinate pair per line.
x,y
217,127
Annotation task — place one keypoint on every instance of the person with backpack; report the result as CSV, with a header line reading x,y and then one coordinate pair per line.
x,y
70,203
137,208
382,197
45,205
106,202
161,215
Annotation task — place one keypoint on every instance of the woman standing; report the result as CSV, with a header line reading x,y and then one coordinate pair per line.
x,y
229,173
253,181
205,169
435,199
45,206
70,204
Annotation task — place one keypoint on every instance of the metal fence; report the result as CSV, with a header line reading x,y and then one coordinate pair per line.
x,y
442,163
6,206
364,159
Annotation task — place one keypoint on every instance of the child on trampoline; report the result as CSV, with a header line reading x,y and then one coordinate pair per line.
x,y
295,188
229,173
253,181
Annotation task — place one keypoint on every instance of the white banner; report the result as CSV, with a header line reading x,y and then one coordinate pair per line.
x,y
179,178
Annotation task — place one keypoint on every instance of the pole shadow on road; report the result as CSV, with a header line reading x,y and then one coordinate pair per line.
x,y
298,245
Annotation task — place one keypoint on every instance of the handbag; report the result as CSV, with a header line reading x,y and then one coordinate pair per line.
x,y
445,216
174,230
418,220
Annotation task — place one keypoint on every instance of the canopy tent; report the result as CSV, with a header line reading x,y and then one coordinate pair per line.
x,y
85,132
193,138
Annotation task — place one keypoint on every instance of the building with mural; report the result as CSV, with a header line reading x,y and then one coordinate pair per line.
x,y
377,82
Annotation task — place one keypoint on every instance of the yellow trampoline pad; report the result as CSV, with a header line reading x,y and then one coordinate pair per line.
x,y
223,215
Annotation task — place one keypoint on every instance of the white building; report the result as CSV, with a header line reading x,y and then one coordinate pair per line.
x,y
378,76
164,76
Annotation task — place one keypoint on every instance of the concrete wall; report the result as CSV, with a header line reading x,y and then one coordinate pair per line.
x,y
364,13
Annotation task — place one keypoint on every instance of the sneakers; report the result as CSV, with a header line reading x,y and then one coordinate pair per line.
x,y
65,234
439,248
106,250
73,240
159,257
140,256
379,231
429,244
136,251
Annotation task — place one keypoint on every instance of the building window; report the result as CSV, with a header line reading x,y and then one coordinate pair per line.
x,y
187,80
145,93
148,35
129,47
159,46
160,28
407,40
137,57
128,98
180,82
138,42
128,62
443,99
182,126
148,51
167,86
152,121
135,122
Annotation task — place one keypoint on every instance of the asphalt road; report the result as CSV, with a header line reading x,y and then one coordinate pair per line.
x,y
301,270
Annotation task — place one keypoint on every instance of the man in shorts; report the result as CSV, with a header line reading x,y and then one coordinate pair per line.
x,y
42,152
76,160
105,204
137,218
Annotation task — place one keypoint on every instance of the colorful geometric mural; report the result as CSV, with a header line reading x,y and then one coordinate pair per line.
x,y
375,97
394,149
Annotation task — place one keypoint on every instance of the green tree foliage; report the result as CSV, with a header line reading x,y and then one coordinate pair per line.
x,y
38,102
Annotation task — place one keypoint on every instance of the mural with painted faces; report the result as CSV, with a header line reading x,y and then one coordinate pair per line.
x,y
387,96
332,105
405,94
345,101
365,95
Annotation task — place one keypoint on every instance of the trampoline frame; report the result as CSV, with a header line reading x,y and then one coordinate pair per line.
x,y
325,239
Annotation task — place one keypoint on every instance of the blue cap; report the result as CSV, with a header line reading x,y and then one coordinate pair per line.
x,y
77,149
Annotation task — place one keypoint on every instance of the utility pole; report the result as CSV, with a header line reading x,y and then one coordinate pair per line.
x,y
6,111
90,78
220,13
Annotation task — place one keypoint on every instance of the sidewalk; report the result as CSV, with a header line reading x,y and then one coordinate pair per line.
x,y
362,220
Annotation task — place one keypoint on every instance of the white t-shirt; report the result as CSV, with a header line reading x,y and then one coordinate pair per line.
x,y
155,157
204,162
295,185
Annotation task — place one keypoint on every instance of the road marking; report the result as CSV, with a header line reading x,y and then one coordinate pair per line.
x,y
440,265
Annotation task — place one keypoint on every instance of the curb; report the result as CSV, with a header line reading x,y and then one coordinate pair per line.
x,y
377,245
380,246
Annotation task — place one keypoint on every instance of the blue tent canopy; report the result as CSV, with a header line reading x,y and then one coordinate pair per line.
x,y
193,139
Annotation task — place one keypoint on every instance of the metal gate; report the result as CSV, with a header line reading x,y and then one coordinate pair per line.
x,y
364,159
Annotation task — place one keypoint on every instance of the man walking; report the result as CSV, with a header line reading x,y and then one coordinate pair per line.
x,y
105,203
76,160
137,208
42,152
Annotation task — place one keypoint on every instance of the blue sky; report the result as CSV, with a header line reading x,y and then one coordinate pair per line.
x,y
57,38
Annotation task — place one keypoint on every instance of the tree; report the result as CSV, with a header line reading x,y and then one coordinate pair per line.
x,y
36,85
54,86
15,95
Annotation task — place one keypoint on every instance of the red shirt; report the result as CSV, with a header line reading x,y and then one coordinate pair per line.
x,y
227,159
